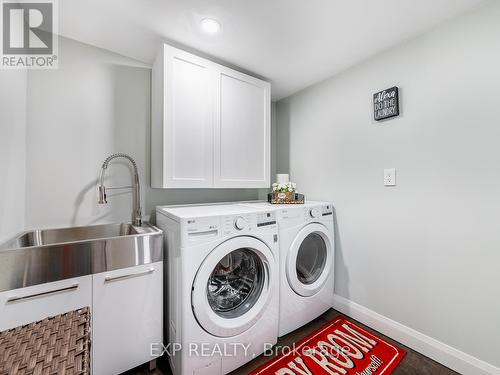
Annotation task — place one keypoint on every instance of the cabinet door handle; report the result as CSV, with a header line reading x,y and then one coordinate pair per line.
x,y
109,279
65,289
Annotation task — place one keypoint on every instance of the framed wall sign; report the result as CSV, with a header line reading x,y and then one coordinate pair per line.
x,y
386,104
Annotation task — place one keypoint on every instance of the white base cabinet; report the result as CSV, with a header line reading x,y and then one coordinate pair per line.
x,y
27,305
126,311
211,125
127,317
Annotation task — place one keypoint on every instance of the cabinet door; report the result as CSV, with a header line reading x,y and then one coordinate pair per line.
x,y
242,132
189,85
127,317
27,305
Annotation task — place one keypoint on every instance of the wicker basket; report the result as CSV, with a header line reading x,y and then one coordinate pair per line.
x,y
57,345
285,198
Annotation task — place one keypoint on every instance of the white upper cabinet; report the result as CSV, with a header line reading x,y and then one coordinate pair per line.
x,y
182,117
211,125
242,131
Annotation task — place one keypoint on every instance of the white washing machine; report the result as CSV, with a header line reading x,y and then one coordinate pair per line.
x,y
222,282
306,236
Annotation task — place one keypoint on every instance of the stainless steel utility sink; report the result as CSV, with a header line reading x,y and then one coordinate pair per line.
x,y
62,235
40,256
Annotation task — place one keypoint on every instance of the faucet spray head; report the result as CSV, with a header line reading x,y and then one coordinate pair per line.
x,y
102,195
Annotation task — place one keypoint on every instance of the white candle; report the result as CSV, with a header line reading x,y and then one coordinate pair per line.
x,y
282,178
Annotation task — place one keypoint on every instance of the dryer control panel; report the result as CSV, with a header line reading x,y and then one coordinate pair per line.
x,y
327,210
318,212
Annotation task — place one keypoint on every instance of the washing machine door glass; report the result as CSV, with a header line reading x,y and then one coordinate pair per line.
x,y
310,259
236,283
233,286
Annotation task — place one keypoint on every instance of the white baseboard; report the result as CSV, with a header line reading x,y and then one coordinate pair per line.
x,y
450,357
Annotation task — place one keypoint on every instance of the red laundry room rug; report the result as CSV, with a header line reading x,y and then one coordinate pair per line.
x,y
339,347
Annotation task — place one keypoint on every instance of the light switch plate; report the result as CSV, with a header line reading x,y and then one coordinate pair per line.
x,y
390,177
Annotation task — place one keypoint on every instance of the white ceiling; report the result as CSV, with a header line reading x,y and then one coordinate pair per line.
x,y
293,43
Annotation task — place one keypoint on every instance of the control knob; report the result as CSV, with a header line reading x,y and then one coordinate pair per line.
x,y
240,223
314,213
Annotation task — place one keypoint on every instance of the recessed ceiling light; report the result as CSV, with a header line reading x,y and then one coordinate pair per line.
x,y
210,26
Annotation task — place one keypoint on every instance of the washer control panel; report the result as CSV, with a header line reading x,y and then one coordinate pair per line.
x,y
198,229
238,223
201,225
265,219
248,223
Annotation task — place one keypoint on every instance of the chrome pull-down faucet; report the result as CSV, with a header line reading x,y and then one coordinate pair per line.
x,y
137,212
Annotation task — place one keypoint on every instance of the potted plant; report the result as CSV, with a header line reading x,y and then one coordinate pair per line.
x,y
284,191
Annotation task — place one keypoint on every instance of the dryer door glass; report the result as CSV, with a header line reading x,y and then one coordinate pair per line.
x,y
311,259
236,283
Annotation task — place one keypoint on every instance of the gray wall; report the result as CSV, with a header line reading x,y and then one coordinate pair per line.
x,y
426,252
95,104
13,91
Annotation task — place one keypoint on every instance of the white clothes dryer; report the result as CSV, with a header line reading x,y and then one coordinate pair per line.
x,y
307,252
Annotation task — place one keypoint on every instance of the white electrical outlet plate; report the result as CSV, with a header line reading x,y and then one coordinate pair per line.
x,y
390,177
